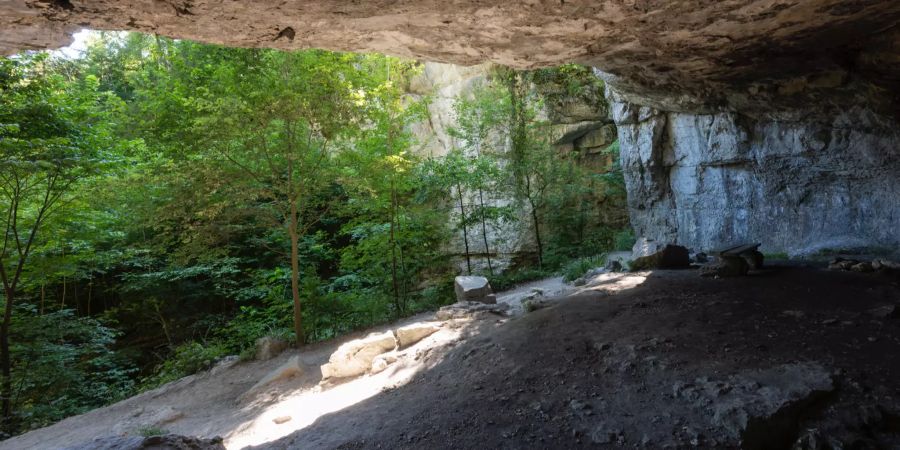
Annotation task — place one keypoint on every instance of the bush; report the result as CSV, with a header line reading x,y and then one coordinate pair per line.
x,y
624,240
187,359
578,267
509,280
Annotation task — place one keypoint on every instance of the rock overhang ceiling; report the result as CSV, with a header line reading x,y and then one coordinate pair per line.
x,y
755,56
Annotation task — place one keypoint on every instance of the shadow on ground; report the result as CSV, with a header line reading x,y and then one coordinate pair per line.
x,y
790,355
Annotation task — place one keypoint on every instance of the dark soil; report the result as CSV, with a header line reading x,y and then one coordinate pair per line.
x,y
598,370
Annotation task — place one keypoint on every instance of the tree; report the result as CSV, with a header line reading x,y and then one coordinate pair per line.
x,y
51,137
278,129
481,123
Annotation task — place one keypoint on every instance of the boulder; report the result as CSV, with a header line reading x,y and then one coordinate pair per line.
x,y
291,368
473,289
670,257
355,357
268,347
470,310
414,333
758,408
725,267
645,247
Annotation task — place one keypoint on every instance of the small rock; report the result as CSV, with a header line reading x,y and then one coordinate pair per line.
x,y
829,321
268,347
291,368
579,282
281,419
382,362
605,435
614,266
863,267
885,312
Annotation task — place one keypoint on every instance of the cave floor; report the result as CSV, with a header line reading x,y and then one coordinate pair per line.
x,y
789,356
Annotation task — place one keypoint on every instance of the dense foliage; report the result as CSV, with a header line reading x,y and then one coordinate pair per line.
x,y
167,203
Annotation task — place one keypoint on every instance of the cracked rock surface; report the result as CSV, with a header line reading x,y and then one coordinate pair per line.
x,y
675,55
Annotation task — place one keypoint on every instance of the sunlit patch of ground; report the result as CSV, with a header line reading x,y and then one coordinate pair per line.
x,y
613,282
300,406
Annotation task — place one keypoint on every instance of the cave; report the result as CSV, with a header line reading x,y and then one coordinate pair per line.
x,y
767,121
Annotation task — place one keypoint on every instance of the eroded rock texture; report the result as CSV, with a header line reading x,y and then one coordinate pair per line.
x,y
686,54
798,185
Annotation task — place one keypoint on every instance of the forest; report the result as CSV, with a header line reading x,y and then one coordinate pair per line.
x,y
167,203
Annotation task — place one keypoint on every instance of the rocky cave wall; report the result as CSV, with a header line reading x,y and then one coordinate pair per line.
x,y
807,186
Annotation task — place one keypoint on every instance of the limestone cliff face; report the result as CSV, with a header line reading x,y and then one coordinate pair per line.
x,y
800,184
578,121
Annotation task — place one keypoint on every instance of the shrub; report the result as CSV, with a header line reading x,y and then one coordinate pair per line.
x,y
578,267
187,359
624,240
509,280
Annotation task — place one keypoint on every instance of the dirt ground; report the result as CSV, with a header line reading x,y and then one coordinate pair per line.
x,y
790,356
605,370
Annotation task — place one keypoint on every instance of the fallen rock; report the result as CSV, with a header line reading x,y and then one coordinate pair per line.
x,y
268,347
534,304
165,442
893,265
473,289
414,333
470,310
754,259
291,368
355,357
794,314
759,409
281,419
886,312
670,257
842,264
382,362
725,267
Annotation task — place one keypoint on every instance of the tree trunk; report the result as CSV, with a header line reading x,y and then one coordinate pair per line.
x,y
394,283
295,275
5,360
537,234
487,249
462,212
